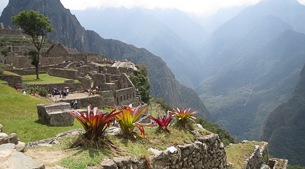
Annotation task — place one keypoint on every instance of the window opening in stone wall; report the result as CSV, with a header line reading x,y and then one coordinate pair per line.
x,y
124,96
121,98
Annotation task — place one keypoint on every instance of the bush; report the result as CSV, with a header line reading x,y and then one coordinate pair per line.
x,y
1,71
40,91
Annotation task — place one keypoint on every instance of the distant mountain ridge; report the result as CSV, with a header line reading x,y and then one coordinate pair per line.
x,y
68,31
284,129
251,65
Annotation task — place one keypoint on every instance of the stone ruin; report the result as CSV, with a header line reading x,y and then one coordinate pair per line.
x,y
55,114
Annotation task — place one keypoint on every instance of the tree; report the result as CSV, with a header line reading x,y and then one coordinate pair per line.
x,y
141,82
36,26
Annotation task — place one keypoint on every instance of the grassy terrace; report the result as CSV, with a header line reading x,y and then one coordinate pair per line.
x,y
236,153
19,115
43,79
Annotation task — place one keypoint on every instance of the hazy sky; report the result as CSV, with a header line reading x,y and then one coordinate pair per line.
x,y
196,6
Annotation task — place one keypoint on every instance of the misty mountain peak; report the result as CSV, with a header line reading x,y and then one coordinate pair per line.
x,y
280,2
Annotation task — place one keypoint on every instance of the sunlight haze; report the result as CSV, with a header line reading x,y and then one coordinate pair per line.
x,y
199,7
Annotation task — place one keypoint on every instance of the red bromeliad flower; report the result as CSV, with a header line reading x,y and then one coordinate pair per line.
x,y
94,122
163,121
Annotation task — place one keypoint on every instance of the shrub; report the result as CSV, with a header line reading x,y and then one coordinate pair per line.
x,y
127,120
94,123
35,90
184,118
1,71
163,121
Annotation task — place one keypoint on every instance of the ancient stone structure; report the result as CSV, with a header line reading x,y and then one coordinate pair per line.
x,y
12,80
258,157
207,152
55,114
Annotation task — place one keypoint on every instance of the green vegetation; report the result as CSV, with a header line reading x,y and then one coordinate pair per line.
x,y
162,103
40,91
19,115
128,121
237,153
224,136
141,82
37,29
184,118
10,73
295,167
44,79
1,71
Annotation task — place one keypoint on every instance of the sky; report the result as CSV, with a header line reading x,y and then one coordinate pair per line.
x,y
200,7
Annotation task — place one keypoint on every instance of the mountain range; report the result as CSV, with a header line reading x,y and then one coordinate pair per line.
x,y
243,62
68,31
284,129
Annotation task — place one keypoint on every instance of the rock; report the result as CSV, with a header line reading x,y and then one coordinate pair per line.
x,y
3,138
12,159
113,131
172,149
20,146
109,164
155,151
13,138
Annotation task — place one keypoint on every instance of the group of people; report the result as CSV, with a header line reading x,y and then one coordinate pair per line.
x,y
63,93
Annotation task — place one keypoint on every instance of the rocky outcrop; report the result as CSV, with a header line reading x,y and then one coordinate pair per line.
x,y
11,156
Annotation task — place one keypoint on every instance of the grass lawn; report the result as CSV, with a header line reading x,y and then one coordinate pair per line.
x,y
237,153
43,79
18,114
9,73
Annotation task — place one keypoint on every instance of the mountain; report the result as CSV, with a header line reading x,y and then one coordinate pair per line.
x,y
284,128
68,31
160,31
251,65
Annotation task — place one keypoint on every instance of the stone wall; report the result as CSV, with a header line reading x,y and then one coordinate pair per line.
x,y
126,96
207,152
73,87
65,73
95,101
107,98
258,157
12,80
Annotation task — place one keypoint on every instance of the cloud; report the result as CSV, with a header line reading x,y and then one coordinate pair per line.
x,y
194,6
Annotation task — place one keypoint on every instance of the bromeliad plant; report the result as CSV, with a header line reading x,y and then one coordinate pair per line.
x,y
94,123
184,118
163,121
128,120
